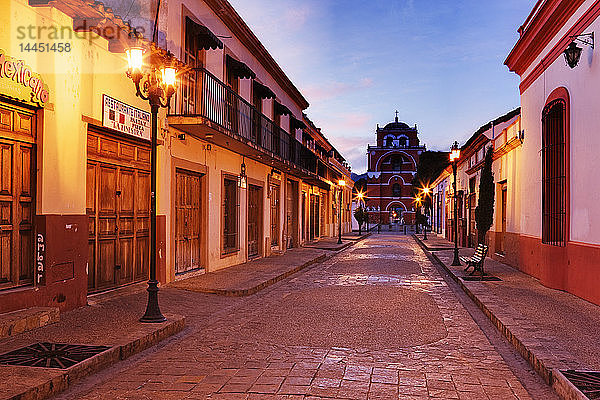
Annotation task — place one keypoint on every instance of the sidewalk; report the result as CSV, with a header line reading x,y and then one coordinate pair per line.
x,y
251,277
112,323
553,330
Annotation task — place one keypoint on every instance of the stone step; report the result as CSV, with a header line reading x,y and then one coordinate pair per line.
x,y
20,321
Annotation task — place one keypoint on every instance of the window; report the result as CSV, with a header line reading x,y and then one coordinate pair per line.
x,y
396,161
231,104
472,185
275,192
194,58
554,174
389,141
230,217
396,190
403,141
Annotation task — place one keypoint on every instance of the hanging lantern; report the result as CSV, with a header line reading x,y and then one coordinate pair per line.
x,y
573,54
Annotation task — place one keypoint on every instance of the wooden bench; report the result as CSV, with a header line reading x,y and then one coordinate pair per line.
x,y
476,260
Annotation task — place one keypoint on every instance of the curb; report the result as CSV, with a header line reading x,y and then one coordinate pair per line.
x,y
263,285
552,376
69,376
272,281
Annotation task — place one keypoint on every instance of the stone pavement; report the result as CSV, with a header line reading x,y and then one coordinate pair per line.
x,y
112,323
375,321
252,276
554,330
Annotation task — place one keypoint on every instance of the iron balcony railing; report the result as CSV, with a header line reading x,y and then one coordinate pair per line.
x,y
202,94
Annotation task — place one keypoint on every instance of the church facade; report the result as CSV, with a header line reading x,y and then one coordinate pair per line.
x,y
392,164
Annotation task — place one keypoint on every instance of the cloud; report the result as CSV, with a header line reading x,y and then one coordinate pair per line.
x,y
297,17
332,90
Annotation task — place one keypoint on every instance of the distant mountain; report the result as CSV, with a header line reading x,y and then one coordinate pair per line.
x,y
356,177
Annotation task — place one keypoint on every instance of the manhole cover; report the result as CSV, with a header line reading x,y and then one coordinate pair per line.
x,y
588,382
51,355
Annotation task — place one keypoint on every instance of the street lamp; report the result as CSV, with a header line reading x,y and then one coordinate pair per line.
x,y
341,183
154,82
360,196
426,191
454,156
418,203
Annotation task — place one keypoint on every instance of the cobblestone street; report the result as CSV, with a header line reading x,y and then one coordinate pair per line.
x,y
376,321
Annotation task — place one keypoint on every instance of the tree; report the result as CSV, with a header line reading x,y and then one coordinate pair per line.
x,y
484,213
431,164
361,217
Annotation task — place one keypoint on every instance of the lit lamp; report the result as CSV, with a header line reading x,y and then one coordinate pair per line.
x,y
454,156
243,179
361,200
135,58
341,184
425,192
154,82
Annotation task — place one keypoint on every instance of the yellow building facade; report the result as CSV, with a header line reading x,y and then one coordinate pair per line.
x,y
239,174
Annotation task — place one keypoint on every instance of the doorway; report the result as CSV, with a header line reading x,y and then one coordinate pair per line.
x,y
118,208
187,221
254,220
501,242
17,196
292,214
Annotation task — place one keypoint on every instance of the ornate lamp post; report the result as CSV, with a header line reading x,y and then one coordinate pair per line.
x,y
426,191
360,197
341,183
154,82
418,211
454,156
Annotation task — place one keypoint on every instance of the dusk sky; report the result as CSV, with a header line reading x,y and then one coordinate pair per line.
x,y
439,63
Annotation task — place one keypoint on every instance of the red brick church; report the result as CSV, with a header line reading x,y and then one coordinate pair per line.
x,y
392,165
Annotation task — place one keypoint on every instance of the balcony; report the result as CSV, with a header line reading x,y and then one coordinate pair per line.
x,y
206,108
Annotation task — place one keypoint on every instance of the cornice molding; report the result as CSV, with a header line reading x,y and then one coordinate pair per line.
x,y
586,19
544,26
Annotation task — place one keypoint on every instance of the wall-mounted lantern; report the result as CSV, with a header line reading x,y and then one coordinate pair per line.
x,y
573,52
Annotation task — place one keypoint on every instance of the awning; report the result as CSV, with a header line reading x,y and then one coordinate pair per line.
x,y
281,109
295,123
205,38
263,91
239,69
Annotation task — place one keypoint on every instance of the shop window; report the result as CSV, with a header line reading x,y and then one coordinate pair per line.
x,y
554,193
230,215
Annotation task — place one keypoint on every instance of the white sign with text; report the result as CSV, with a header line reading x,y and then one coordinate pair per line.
x,y
125,118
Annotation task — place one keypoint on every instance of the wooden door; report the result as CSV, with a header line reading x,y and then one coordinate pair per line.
x,y
118,208
254,220
317,216
323,220
312,217
472,205
275,208
303,216
17,193
187,221
292,214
